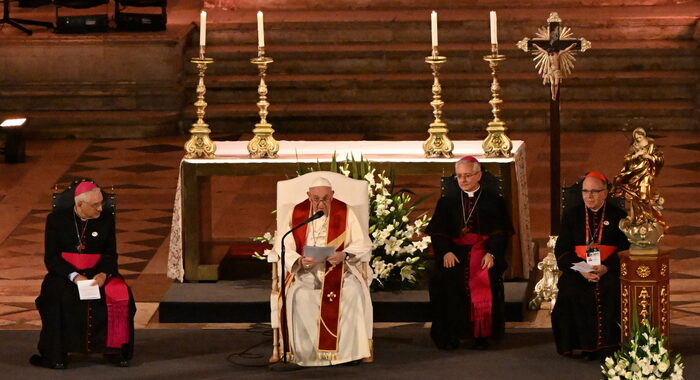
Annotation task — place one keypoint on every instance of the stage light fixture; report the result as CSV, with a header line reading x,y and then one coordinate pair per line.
x,y
13,129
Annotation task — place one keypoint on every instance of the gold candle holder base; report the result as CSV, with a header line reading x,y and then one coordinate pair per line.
x,y
497,143
200,145
438,144
262,145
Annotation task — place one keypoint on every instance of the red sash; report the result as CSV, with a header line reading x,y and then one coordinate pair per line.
x,y
479,283
117,298
333,278
605,251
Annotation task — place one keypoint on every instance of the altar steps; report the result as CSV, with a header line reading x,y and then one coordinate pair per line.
x,y
361,68
427,4
457,87
56,124
104,85
249,301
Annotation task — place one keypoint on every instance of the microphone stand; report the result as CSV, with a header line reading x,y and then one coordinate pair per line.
x,y
283,317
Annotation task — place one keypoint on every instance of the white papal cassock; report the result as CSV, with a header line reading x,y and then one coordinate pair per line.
x,y
304,297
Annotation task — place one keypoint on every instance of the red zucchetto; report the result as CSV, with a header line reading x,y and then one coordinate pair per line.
x,y
597,175
470,159
84,187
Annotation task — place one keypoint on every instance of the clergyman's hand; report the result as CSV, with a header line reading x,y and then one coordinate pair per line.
x,y
336,258
487,261
79,277
449,260
307,262
100,279
590,276
600,270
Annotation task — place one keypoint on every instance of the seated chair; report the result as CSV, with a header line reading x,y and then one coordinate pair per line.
x,y
81,22
140,21
571,196
64,199
291,192
448,185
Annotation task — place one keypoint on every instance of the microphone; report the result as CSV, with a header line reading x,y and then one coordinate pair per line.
x,y
313,217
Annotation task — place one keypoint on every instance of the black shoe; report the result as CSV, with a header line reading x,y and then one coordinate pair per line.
x,y
352,362
40,361
481,344
448,346
285,367
117,360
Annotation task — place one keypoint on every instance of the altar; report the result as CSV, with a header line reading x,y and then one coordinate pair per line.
x,y
191,233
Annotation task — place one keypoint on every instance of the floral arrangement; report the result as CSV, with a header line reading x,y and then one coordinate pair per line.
x,y
399,246
643,358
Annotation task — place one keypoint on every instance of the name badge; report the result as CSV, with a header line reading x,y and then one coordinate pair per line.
x,y
593,256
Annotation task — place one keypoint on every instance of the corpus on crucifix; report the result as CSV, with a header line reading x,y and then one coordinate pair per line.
x,y
554,51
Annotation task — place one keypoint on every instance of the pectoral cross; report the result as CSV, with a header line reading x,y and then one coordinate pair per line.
x,y
554,56
331,296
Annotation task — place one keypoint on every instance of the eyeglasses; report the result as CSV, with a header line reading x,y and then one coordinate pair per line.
x,y
96,205
320,200
592,191
467,175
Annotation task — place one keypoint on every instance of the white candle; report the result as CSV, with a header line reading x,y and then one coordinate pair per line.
x,y
494,29
433,28
261,31
203,28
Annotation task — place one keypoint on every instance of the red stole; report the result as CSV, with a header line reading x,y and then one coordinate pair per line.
x,y
479,283
333,278
117,298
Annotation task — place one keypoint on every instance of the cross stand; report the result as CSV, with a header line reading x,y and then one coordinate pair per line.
x,y
554,52
17,22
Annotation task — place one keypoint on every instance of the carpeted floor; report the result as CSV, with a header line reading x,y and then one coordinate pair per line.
x,y
402,352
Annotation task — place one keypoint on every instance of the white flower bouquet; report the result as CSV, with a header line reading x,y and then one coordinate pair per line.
x,y
643,358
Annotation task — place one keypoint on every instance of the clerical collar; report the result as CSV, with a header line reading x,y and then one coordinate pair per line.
x,y
596,210
471,193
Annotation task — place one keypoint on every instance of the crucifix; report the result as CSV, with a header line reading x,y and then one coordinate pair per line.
x,y
554,51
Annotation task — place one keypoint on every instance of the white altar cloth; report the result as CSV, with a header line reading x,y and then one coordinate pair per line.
x,y
400,152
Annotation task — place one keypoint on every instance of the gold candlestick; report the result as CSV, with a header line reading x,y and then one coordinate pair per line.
x,y
262,145
497,143
200,145
437,144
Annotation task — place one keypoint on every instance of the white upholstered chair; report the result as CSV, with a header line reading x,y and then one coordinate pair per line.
x,y
293,191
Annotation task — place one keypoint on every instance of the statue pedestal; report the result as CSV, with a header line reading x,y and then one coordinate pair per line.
x,y
644,290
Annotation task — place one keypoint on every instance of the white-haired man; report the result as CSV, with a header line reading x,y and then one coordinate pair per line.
x,y
329,311
80,245
586,316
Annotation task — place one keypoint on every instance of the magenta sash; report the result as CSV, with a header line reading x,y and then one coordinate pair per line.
x,y
117,298
479,283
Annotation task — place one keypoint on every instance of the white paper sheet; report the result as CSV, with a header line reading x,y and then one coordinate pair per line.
x,y
88,290
320,254
582,266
